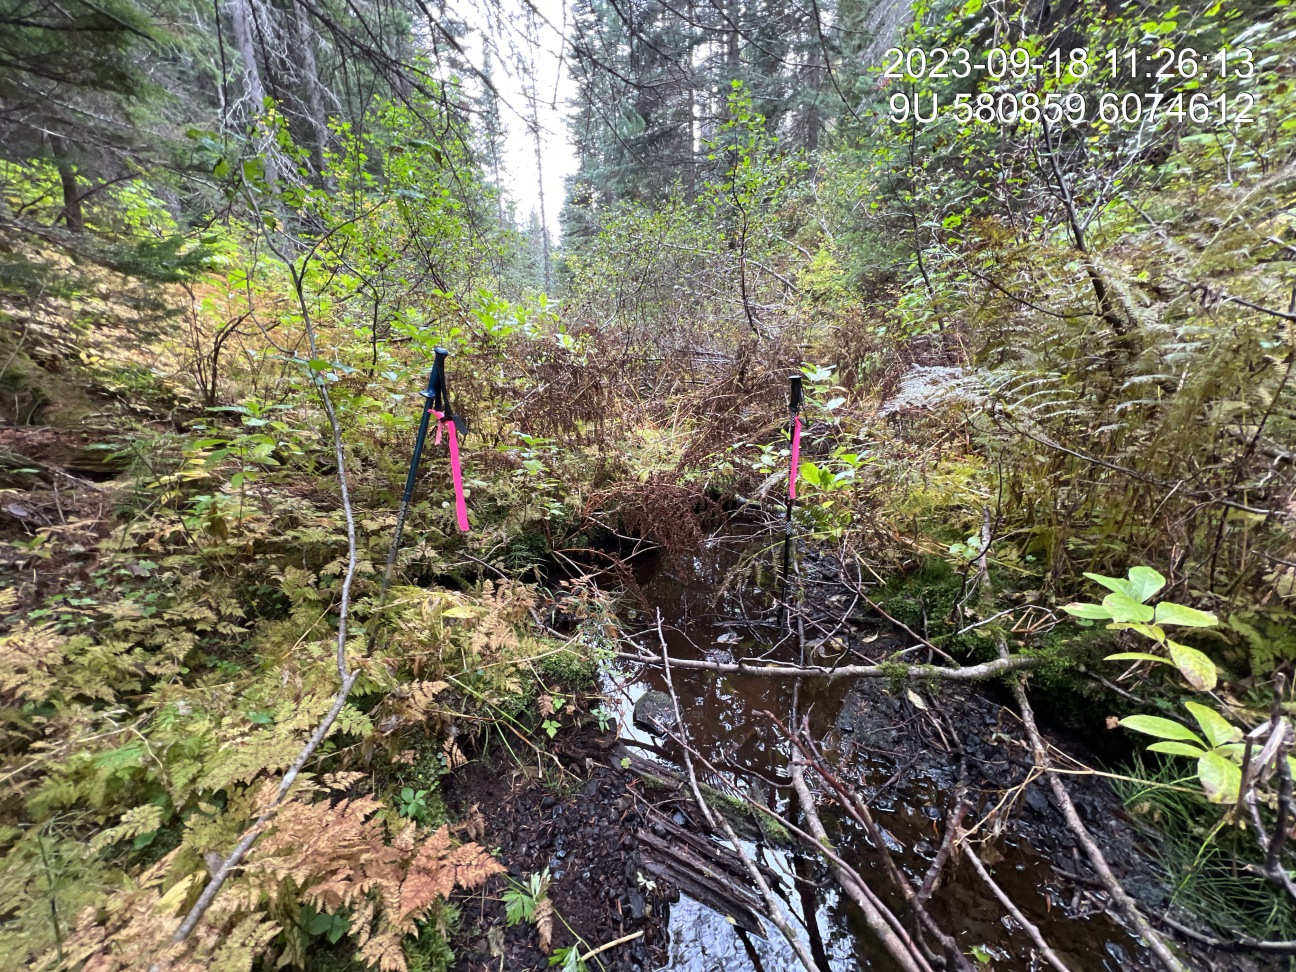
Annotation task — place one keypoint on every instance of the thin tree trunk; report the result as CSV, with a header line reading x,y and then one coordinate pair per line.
x,y
313,95
72,214
254,92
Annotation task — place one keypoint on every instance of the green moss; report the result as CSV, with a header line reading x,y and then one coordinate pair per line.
x,y
774,831
570,667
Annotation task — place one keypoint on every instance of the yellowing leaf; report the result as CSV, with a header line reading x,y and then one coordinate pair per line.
x,y
1122,607
1219,777
1116,585
1091,612
1136,656
1144,582
1199,670
1176,748
170,903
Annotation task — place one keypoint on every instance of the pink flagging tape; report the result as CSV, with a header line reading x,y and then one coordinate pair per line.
x,y
456,473
461,508
796,457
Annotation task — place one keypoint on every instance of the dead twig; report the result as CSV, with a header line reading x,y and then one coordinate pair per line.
x,y
1243,943
1049,955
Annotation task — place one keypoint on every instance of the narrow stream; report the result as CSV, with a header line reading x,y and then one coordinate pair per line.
x,y
877,741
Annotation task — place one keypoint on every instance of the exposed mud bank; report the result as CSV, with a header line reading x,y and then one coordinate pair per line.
x,y
583,829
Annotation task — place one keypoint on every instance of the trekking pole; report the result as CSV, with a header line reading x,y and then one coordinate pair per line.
x,y
436,380
794,431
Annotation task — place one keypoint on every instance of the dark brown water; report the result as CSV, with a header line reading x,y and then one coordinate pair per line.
x,y
877,740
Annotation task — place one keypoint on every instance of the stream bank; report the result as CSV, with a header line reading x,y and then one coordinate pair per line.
x,y
628,851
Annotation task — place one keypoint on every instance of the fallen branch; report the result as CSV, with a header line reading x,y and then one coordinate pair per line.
x,y
850,801
1113,887
1242,944
235,857
1274,751
1049,955
231,862
613,944
679,724
889,932
972,673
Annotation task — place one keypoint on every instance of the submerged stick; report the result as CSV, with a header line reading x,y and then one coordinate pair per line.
x,y
902,949
850,801
878,915
1049,955
679,723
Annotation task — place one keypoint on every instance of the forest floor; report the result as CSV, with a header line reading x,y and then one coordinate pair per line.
x,y
581,827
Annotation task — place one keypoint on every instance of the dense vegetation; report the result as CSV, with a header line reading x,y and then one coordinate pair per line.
x,y
232,237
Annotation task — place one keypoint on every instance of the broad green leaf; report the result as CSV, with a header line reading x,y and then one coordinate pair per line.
x,y
1219,778
1199,670
1176,749
1161,728
1137,656
1116,585
1094,612
1169,613
1122,607
459,611
1144,582
1217,729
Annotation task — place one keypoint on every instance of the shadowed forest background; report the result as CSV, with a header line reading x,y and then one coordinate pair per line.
x,y
1050,444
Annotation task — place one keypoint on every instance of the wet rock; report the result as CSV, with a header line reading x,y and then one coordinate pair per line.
x,y
654,712
1037,801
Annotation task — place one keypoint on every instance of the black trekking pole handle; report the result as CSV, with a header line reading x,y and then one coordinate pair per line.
x,y
438,398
